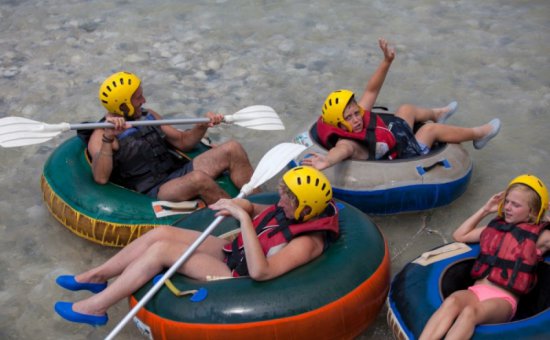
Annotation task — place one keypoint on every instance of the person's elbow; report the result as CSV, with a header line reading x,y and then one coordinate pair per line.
x,y
459,237
102,180
260,275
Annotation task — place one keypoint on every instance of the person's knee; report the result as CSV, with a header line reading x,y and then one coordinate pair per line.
x,y
198,177
234,148
429,129
468,314
451,303
158,248
160,232
405,109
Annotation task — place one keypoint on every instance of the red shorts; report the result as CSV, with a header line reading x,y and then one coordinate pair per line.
x,y
486,292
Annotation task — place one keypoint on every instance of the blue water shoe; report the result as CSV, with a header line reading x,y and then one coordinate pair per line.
x,y
65,310
480,143
452,109
69,282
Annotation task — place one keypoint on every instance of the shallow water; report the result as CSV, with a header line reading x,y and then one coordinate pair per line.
x,y
195,56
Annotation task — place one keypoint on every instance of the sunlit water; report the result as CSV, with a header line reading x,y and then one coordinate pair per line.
x,y
196,56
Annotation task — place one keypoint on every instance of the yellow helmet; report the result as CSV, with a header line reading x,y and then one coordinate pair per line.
x,y
333,109
118,89
312,189
538,186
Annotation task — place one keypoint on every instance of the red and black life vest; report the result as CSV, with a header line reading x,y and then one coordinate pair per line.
x,y
508,255
375,131
144,158
274,231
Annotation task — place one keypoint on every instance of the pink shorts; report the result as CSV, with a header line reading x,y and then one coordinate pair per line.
x,y
486,292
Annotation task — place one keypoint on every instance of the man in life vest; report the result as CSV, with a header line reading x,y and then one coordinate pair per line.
x,y
350,130
273,240
511,246
145,159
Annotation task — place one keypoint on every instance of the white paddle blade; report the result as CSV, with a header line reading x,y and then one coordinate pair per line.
x,y
18,131
271,163
261,123
25,138
258,117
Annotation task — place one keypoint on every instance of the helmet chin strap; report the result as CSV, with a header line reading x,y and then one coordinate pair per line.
x,y
124,108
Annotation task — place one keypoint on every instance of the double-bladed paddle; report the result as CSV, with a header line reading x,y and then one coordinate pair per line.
x,y
18,131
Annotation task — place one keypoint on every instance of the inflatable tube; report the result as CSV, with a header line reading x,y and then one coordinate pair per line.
x,y
336,296
99,213
419,289
388,187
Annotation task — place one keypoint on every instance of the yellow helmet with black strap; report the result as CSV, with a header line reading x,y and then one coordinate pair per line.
x,y
334,107
311,188
538,186
118,89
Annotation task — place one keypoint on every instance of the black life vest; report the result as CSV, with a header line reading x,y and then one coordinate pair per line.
x,y
508,255
374,132
144,158
274,231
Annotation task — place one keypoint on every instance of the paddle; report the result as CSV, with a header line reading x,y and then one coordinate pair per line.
x,y
270,164
18,131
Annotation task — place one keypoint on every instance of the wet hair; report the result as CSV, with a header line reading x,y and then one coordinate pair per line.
x,y
286,190
534,200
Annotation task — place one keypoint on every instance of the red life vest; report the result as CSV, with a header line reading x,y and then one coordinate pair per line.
x,y
508,255
374,131
274,231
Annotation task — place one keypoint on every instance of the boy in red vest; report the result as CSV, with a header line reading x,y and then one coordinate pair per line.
x,y
349,130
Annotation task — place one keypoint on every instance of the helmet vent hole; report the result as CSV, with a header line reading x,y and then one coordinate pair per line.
x,y
121,81
336,101
109,89
299,180
308,180
114,83
317,182
104,94
324,186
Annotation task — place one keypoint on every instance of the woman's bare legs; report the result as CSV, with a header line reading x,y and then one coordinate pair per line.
x,y
442,320
159,255
116,264
461,312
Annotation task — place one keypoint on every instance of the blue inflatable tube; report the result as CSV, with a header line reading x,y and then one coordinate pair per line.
x,y
419,289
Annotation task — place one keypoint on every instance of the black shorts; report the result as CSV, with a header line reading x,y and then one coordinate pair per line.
x,y
407,145
184,170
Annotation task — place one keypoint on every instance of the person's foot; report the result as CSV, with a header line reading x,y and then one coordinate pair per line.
x,y
65,310
495,128
69,282
451,109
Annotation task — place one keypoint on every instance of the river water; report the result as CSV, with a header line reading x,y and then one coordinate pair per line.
x,y
196,56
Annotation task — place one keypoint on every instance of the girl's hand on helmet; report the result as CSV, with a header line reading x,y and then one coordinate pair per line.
x,y
119,123
492,204
215,118
389,52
